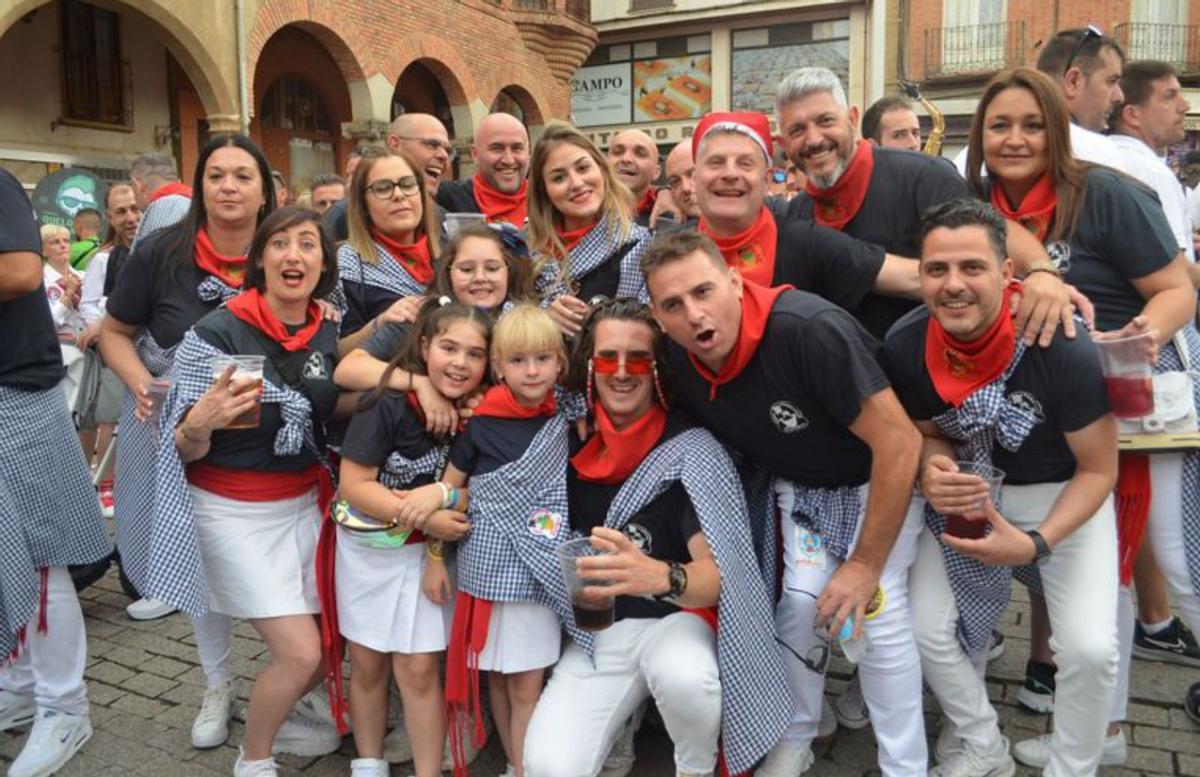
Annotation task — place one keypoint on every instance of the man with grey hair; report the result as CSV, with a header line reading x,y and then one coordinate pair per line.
x,y
162,198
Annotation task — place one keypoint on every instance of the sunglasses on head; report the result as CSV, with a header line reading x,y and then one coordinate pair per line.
x,y
634,365
1089,33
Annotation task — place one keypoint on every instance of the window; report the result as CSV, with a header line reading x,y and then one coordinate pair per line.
x,y
974,36
94,77
1158,30
292,104
763,56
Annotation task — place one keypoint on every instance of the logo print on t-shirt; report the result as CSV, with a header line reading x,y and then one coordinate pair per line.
x,y
315,367
1060,255
640,536
787,417
1028,403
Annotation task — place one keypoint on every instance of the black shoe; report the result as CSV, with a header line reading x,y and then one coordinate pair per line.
x,y
1174,645
1191,703
1037,694
995,646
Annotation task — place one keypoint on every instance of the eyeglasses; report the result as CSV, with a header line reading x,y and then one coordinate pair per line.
x,y
1089,32
433,144
383,188
634,365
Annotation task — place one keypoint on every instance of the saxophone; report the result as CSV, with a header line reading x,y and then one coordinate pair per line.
x,y
933,143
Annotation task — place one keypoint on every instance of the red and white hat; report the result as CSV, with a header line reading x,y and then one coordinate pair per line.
x,y
753,125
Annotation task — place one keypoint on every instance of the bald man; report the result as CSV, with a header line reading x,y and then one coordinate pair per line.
x,y
423,139
633,156
679,181
498,188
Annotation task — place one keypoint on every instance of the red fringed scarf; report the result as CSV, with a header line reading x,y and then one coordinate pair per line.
x,y
413,257
231,270
1036,211
1133,509
611,455
251,306
757,302
166,191
751,251
839,204
957,368
498,205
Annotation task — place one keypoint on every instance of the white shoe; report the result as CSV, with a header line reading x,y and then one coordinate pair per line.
x,y
53,740
621,757
15,710
148,610
965,763
1036,752
300,735
786,760
851,708
947,743
211,727
263,768
828,724
369,767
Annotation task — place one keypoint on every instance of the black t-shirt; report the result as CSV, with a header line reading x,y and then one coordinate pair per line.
x,y
255,448
790,409
334,221
156,294
390,425
490,442
30,358
661,529
458,197
903,185
1062,384
385,341
825,262
116,261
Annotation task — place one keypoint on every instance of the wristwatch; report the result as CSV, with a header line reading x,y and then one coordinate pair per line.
x,y
1041,548
677,577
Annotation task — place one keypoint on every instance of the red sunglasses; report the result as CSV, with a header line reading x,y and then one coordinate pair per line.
x,y
634,365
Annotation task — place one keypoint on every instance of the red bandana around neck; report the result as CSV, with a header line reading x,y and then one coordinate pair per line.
x,y
571,237
498,205
1036,211
251,306
838,205
413,257
612,454
757,302
168,189
957,369
231,270
752,251
499,402
646,203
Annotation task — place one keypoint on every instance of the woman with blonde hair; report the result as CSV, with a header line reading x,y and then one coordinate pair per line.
x,y
581,228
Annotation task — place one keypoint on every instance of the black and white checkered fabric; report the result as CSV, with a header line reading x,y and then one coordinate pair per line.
x,y
137,450
986,418
398,471
756,704
176,574
1168,361
764,520
833,513
160,214
49,513
593,250
213,289
386,273
507,557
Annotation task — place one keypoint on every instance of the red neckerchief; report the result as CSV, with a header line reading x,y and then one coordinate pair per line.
x,y
571,237
958,368
498,205
838,205
1036,211
612,454
167,190
499,402
413,257
752,251
231,270
252,307
646,203
757,302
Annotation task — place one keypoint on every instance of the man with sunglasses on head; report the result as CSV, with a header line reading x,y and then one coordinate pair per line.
x,y
498,188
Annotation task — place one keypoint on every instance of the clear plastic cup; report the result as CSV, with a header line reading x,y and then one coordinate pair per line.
x,y
157,390
972,524
247,376
456,221
1128,374
593,611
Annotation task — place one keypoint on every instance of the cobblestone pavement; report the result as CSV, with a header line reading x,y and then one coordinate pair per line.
x,y
145,685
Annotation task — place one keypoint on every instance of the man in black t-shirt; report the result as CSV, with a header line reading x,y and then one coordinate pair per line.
x,y
498,188
1040,415
789,381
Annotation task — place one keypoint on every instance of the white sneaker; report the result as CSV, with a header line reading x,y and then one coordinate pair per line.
x,y
211,727
300,735
851,708
53,740
967,764
263,768
947,743
786,760
368,767
15,710
148,610
1036,752
828,724
621,757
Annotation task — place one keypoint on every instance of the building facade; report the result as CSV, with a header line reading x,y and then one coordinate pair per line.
x,y
93,86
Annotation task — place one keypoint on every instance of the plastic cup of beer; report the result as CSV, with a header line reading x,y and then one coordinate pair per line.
x,y
1127,374
453,222
247,376
157,391
593,611
972,524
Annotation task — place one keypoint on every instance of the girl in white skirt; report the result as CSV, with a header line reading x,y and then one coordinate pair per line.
x,y
392,590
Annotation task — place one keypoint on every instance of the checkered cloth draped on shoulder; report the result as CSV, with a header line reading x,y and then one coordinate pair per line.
x,y
399,471
832,513
596,247
386,273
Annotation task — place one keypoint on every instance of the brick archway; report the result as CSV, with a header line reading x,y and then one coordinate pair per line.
x,y
524,90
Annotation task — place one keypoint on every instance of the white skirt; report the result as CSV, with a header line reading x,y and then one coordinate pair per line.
x,y
259,557
380,602
521,636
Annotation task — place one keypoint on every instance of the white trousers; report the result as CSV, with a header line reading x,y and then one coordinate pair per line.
x,y
891,674
1080,584
214,639
585,705
50,666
